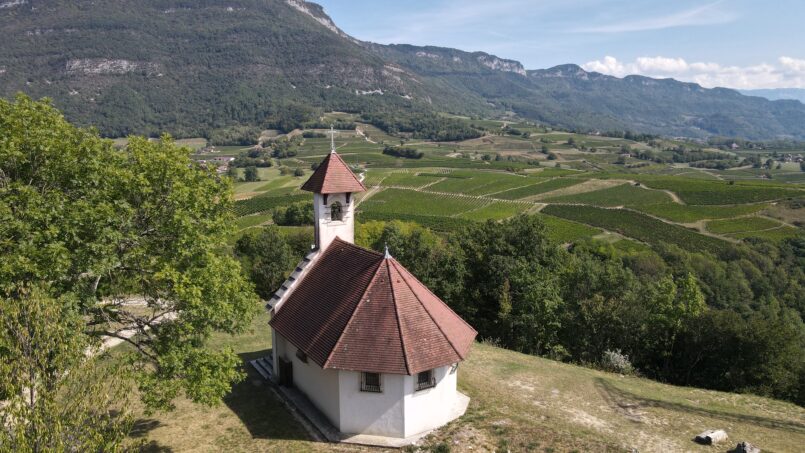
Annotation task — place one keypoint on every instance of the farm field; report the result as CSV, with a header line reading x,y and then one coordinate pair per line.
x,y
452,185
636,225
622,195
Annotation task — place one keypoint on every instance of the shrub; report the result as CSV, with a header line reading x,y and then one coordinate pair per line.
x,y
617,362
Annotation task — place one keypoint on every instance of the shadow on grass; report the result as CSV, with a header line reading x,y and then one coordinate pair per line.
x,y
260,410
628,404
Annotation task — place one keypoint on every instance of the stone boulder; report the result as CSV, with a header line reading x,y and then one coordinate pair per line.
x,y
746,447
711,436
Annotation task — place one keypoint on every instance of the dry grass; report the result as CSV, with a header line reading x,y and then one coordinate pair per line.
x,y
584,187
519,403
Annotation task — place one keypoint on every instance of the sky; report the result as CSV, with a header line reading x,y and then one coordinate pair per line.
x,y
741,44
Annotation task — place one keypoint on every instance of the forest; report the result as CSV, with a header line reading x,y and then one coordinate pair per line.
x,y
728,320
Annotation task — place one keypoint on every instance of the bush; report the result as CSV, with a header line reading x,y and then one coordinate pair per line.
x,y
401,151
616,362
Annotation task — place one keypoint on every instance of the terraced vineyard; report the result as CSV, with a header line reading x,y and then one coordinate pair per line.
x,y
623,195
636,225
454,183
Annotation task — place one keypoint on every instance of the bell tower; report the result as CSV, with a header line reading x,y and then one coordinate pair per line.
x,y
333,185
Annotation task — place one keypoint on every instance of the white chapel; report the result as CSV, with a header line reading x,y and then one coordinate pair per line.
x,y
369,345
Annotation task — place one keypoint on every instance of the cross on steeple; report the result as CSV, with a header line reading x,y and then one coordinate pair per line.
x,y
332,139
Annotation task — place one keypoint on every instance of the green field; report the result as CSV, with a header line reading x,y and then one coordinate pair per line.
x,y
692,213
623,195
741,225
538,188
638,226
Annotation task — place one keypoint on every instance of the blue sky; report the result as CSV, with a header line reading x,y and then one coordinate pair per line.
x,y
734,43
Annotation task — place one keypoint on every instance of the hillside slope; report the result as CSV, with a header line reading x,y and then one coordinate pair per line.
x,y
188,67
519,403
184,67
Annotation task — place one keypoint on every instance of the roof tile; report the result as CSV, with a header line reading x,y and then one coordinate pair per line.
x,y
333,176
357,310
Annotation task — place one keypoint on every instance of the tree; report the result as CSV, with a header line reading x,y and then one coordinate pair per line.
x,y
107,226
250,174
232,172
267,259
57,397
299,172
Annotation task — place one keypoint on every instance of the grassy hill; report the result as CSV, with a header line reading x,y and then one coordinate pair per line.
x,y
519,403
192,68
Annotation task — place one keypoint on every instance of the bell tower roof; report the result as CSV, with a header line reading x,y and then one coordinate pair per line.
x,y
333,176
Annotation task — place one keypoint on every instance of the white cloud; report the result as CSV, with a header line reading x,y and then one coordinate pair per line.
x,y
709,14
786,73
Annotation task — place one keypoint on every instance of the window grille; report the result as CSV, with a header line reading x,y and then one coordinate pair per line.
x,y
425,380
370,382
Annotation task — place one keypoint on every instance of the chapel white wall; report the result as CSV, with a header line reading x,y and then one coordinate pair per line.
x,y
328,229
320,385
380,414
430,408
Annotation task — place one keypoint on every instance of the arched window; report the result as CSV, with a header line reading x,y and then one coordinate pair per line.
x,y
336,212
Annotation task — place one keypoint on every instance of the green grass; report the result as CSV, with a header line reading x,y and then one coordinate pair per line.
x,y
741,225
776,234
562,230
539,188
250,221
266,203
520,402
623,195
692,213
638,226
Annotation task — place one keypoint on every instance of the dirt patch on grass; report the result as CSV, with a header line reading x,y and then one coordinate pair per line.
x,y
584,187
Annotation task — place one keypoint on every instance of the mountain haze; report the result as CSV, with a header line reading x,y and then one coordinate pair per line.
x,y
188,67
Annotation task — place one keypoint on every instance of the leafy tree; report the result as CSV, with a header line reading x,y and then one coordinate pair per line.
x,y
57,397
106,226
250,174
267,259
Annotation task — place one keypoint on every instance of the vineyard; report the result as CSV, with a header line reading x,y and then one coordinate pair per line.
x,y
536,189
622,195
266,203
692,213
636,225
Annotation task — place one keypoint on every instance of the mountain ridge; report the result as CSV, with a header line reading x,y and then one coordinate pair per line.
x,y
189,68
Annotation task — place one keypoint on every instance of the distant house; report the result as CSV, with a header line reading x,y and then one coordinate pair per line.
x,y
371,347
734,146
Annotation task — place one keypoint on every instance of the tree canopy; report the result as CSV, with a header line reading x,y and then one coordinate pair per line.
x,y
130,240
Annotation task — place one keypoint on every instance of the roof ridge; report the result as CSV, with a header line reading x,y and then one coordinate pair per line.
x,y
352,316
399,320
438,326
368,250
437,297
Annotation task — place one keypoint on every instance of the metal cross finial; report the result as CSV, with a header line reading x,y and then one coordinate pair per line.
x,y
332,139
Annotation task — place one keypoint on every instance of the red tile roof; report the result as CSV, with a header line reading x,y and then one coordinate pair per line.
x,y
333,176
357,310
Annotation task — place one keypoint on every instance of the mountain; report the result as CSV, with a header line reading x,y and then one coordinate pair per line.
x,y
191,67
774,94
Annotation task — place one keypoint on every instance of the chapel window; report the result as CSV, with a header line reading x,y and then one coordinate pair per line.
x,y
370,382
336,211
425,380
